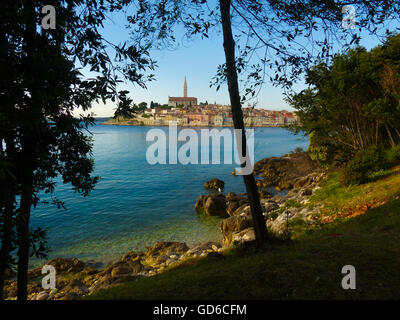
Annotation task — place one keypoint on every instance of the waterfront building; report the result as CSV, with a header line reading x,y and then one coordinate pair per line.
x,y
184,101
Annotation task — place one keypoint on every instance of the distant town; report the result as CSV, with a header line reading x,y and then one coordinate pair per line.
x,y
186,111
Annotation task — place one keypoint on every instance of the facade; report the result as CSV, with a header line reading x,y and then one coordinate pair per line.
x,y
289,118
184,101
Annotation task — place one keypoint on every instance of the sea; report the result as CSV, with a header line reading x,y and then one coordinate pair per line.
x,y
136,203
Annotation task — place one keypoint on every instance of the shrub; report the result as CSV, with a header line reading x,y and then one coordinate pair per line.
x,y
326,152
364,163
393,155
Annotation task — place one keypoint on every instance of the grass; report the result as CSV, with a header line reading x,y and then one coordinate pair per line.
x,y
337,198
308,268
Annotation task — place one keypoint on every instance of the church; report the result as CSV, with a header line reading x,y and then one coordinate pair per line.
x,y
184,101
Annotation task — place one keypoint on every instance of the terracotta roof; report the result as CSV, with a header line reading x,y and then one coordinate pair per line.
x,y
182,99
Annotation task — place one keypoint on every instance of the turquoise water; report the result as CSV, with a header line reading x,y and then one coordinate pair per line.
x,y
136,204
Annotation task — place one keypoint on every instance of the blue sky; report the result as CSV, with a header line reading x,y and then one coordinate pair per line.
x,y
198,61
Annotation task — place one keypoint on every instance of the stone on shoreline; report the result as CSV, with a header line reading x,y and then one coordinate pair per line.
x,y
212,205
233,225
296,169
214,184
160,252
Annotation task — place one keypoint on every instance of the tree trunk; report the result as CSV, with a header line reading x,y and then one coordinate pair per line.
x,y
5,242
390,136
260,229
23,238
28,152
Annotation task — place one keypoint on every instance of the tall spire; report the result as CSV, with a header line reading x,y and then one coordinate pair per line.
x,y
185,88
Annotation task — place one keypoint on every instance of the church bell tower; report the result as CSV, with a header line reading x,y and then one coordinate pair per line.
x,y
185,89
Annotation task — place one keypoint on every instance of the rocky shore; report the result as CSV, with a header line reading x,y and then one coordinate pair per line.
x,y
296,173
75,279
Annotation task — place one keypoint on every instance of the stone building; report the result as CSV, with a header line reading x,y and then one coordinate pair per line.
x,y
184,101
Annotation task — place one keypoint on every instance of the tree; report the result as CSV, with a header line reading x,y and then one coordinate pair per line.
x,y
142,106
260,229
352,103
285,37
40,138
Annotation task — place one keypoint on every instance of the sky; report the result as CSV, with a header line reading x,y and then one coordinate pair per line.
x,y
197,61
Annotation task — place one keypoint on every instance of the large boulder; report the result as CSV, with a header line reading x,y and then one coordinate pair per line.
x,y
288,171
160,252
235,201
212,205
214,184
233,225
215,206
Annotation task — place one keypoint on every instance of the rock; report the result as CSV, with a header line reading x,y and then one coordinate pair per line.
x,y
234,202
279,224
231,207
244,235
130,256
214,184
120,270
234,224
204,247
231,196
240,210
43,295
34,288
76,287
52,293
215,205
161,251
286,172
201,200
61,265
269,206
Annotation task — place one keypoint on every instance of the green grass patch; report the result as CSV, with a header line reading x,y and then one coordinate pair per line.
x,y
308,268
336,197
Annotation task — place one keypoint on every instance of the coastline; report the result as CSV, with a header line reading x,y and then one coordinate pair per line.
x,y
76,278
306,209
142,124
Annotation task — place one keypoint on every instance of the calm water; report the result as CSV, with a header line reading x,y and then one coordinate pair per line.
x,y
136,204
